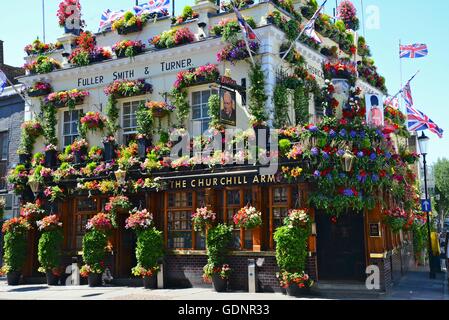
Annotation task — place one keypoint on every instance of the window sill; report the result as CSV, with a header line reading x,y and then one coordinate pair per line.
x,y
232,253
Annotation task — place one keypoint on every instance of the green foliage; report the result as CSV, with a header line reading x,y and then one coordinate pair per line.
x,y
257,96
340,26
49,249
284,146
187,12
94,249
217,242
441,172
49,123
149,249
420,238
179,98
112,112
15,250
280,99
144,117
301,105
291,248
214,111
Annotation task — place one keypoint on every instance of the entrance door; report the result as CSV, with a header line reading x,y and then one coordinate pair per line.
x,y
126,248
341,247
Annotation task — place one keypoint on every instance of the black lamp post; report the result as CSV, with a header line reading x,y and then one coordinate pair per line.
x,y
423,141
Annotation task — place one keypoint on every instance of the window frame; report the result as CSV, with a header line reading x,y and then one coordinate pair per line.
x,y
79,214
203,117
129,102
63,135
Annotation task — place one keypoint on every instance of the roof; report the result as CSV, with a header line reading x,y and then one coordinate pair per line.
x,y
12,72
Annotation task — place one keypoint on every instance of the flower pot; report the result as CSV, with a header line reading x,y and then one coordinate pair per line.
x,y
52,279
50,158
80,156
150,282
109,151
130,29
294,290
122,53
13,278
220,284
159,113
142,145
24,158
39,93
94,279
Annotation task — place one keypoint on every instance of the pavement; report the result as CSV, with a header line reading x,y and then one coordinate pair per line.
x,y
416,285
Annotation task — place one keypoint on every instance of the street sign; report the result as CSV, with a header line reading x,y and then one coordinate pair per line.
x,y
426,205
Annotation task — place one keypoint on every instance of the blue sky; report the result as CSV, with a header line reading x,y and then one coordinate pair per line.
x,y
412,21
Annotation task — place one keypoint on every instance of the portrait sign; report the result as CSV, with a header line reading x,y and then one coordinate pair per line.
x,y
374,110
228,107
341,94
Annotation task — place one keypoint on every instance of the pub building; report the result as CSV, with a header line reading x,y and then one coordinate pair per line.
x,y
339,250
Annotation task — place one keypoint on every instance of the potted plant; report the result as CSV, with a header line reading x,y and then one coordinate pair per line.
x,y
92,121
173,38
50,155
54,194
50,248
39,89
128,88
250,218
69,16
144,118
67,99
41,65
81,57
159,109
95,247
237,51
203,219
395,218
128,48
149,249
115,205
38,47
216,270
291,252
109,148
130,22
15,244
187,14
79,149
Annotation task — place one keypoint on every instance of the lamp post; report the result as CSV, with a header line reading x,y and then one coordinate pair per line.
x,y
423,141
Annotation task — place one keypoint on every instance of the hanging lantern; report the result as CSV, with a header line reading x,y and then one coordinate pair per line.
x,y
34,186
120,176
347,161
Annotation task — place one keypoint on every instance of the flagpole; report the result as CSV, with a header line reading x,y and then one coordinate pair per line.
x,y
400,76
17,91
43,19
402,88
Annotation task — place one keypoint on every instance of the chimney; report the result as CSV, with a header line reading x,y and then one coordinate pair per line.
x,y
2,60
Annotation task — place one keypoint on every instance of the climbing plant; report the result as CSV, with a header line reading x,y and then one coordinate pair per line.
x,y
280,99
257,96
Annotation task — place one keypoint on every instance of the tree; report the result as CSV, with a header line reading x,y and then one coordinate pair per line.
x,y
441,172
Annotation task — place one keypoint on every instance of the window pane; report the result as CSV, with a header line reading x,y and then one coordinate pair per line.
x,y
205,96
66,116
66,129
74,127
196,98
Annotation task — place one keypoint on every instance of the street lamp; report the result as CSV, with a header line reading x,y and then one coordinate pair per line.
x,y
423,141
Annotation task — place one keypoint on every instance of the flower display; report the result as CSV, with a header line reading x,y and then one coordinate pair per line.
x,y
67,98
187,14
54,193
238,51
297,218
223,271
159,108
92,121
101,221
82,57
41,65
128,88
79,145
348,13
39,88
66,11
248,218
38,47
239,4
139,219
49,223
172,38
14,225
32,128
340,69
396,218
203,218
130,22
128,48
208,72
32,211
300,279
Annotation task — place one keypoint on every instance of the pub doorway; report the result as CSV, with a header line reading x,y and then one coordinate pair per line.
x,y
126,257
341,246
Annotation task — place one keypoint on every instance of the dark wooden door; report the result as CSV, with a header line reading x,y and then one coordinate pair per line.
x,y
126,248
341,247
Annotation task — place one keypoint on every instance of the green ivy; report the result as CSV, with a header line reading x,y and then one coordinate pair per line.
x,y
214,111
291,248
280,99
94,249
15,250
149,249
112,112
301,105
144,118
217,242
179,99
257,96
49,123
49,249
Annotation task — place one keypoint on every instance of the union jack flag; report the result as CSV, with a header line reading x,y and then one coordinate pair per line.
x,y
108,17
248,32
413,51
152,6
392,101
407,95
418,121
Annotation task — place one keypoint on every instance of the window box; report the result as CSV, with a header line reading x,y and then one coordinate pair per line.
x,y
130,29
39,93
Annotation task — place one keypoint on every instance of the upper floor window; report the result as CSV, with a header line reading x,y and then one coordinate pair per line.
x,y
70,126
200,110
129,120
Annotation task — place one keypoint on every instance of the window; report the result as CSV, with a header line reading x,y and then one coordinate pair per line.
x,y
129,120
200,111
70,126
230,202
4,149
281,200
179,208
